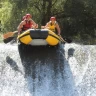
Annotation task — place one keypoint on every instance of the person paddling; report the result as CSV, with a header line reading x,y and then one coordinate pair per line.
x,y
26,23
52,25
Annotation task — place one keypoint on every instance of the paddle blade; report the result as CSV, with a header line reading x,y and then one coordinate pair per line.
x,y
67,40
7,40
7,35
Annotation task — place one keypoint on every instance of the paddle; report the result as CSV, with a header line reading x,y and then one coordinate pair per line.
x,y
65,40
9,36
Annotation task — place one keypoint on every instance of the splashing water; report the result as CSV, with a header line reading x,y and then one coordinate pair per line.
x,y
66,71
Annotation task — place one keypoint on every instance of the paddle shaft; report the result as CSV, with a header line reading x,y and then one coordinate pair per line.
x,y
62,39
66,40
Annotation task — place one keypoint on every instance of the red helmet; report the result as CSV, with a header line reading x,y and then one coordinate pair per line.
x,y
52,18
28,15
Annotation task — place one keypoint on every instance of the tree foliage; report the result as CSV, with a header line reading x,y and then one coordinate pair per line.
x,y
77,18
80,18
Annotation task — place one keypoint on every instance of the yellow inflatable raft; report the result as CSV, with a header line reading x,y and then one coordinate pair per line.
x,y
39,37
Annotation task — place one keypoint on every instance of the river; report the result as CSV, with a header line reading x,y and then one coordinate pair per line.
x,y
40,71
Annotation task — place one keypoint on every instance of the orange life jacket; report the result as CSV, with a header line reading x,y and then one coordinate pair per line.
x,y
27,25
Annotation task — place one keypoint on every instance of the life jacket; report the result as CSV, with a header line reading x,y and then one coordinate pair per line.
x,y
52,26
27,25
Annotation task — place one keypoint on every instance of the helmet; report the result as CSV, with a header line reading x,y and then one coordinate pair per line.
x,y
28,15
52,18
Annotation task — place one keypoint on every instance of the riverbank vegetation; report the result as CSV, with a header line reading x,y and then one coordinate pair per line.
x,y
77,18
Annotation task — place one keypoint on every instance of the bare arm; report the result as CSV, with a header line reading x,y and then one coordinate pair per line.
x,y
47,25
58,28
20,26
34,25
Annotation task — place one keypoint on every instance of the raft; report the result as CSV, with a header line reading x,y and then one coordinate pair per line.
x,y
37,37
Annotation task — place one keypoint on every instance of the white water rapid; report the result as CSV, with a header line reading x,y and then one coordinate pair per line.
x,y
67,71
